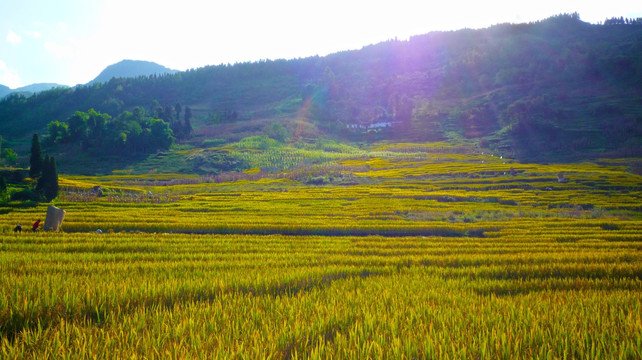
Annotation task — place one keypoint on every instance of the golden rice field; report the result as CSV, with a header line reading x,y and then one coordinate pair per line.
x,y
409,251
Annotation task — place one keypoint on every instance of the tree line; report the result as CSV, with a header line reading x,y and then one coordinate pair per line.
x,y
622,21
128,133
172,115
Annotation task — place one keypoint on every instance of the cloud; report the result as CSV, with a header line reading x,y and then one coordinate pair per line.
x,y
14,38
8,76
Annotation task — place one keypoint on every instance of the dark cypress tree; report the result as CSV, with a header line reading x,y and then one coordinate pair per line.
x,y
51,189
44,178
168,114
48,182
187,127
178,108
3,185
35,161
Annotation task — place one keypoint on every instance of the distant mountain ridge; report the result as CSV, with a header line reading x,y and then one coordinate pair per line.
x,y
29,90
4,91
122,69
131,69
35,88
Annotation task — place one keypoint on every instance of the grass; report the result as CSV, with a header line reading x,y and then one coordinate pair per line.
x,y
406,251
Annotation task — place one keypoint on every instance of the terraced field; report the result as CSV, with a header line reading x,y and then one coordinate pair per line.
x,y
405,251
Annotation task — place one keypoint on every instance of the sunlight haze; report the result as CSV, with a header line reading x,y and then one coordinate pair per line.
x,y
70,42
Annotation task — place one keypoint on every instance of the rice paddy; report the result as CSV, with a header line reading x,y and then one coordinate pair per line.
x,y
404,251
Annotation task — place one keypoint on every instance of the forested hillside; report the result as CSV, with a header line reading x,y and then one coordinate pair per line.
x,y
556,90
131,68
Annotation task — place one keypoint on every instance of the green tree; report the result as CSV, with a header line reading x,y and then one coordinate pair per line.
x,y
168,114
97,125
138,113
52,188
58,132
48,182
4,193
187,127
278,132
78,126
44,178
35,161
178,108
9,156
161,136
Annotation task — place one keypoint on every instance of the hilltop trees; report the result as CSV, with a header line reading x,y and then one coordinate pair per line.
x,y
622,21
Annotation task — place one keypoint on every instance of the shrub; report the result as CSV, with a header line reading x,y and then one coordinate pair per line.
x,y
609,226
26,195
317,180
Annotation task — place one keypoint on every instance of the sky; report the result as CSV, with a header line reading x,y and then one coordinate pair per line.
x,y
70,42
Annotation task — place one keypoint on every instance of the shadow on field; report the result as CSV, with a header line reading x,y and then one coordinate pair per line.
x,y
49,316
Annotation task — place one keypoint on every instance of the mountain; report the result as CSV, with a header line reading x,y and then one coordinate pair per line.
x,y
29,89
555,90
36,88
4,91
131,69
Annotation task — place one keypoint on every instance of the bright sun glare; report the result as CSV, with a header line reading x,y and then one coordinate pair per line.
x,y
71,41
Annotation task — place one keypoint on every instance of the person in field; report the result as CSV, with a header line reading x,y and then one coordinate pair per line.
x,y
36,225
18,228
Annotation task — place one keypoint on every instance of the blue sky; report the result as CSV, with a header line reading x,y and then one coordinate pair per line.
x,y
70,41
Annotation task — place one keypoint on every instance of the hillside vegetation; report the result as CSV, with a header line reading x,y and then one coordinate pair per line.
x,y
556,90
131,68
